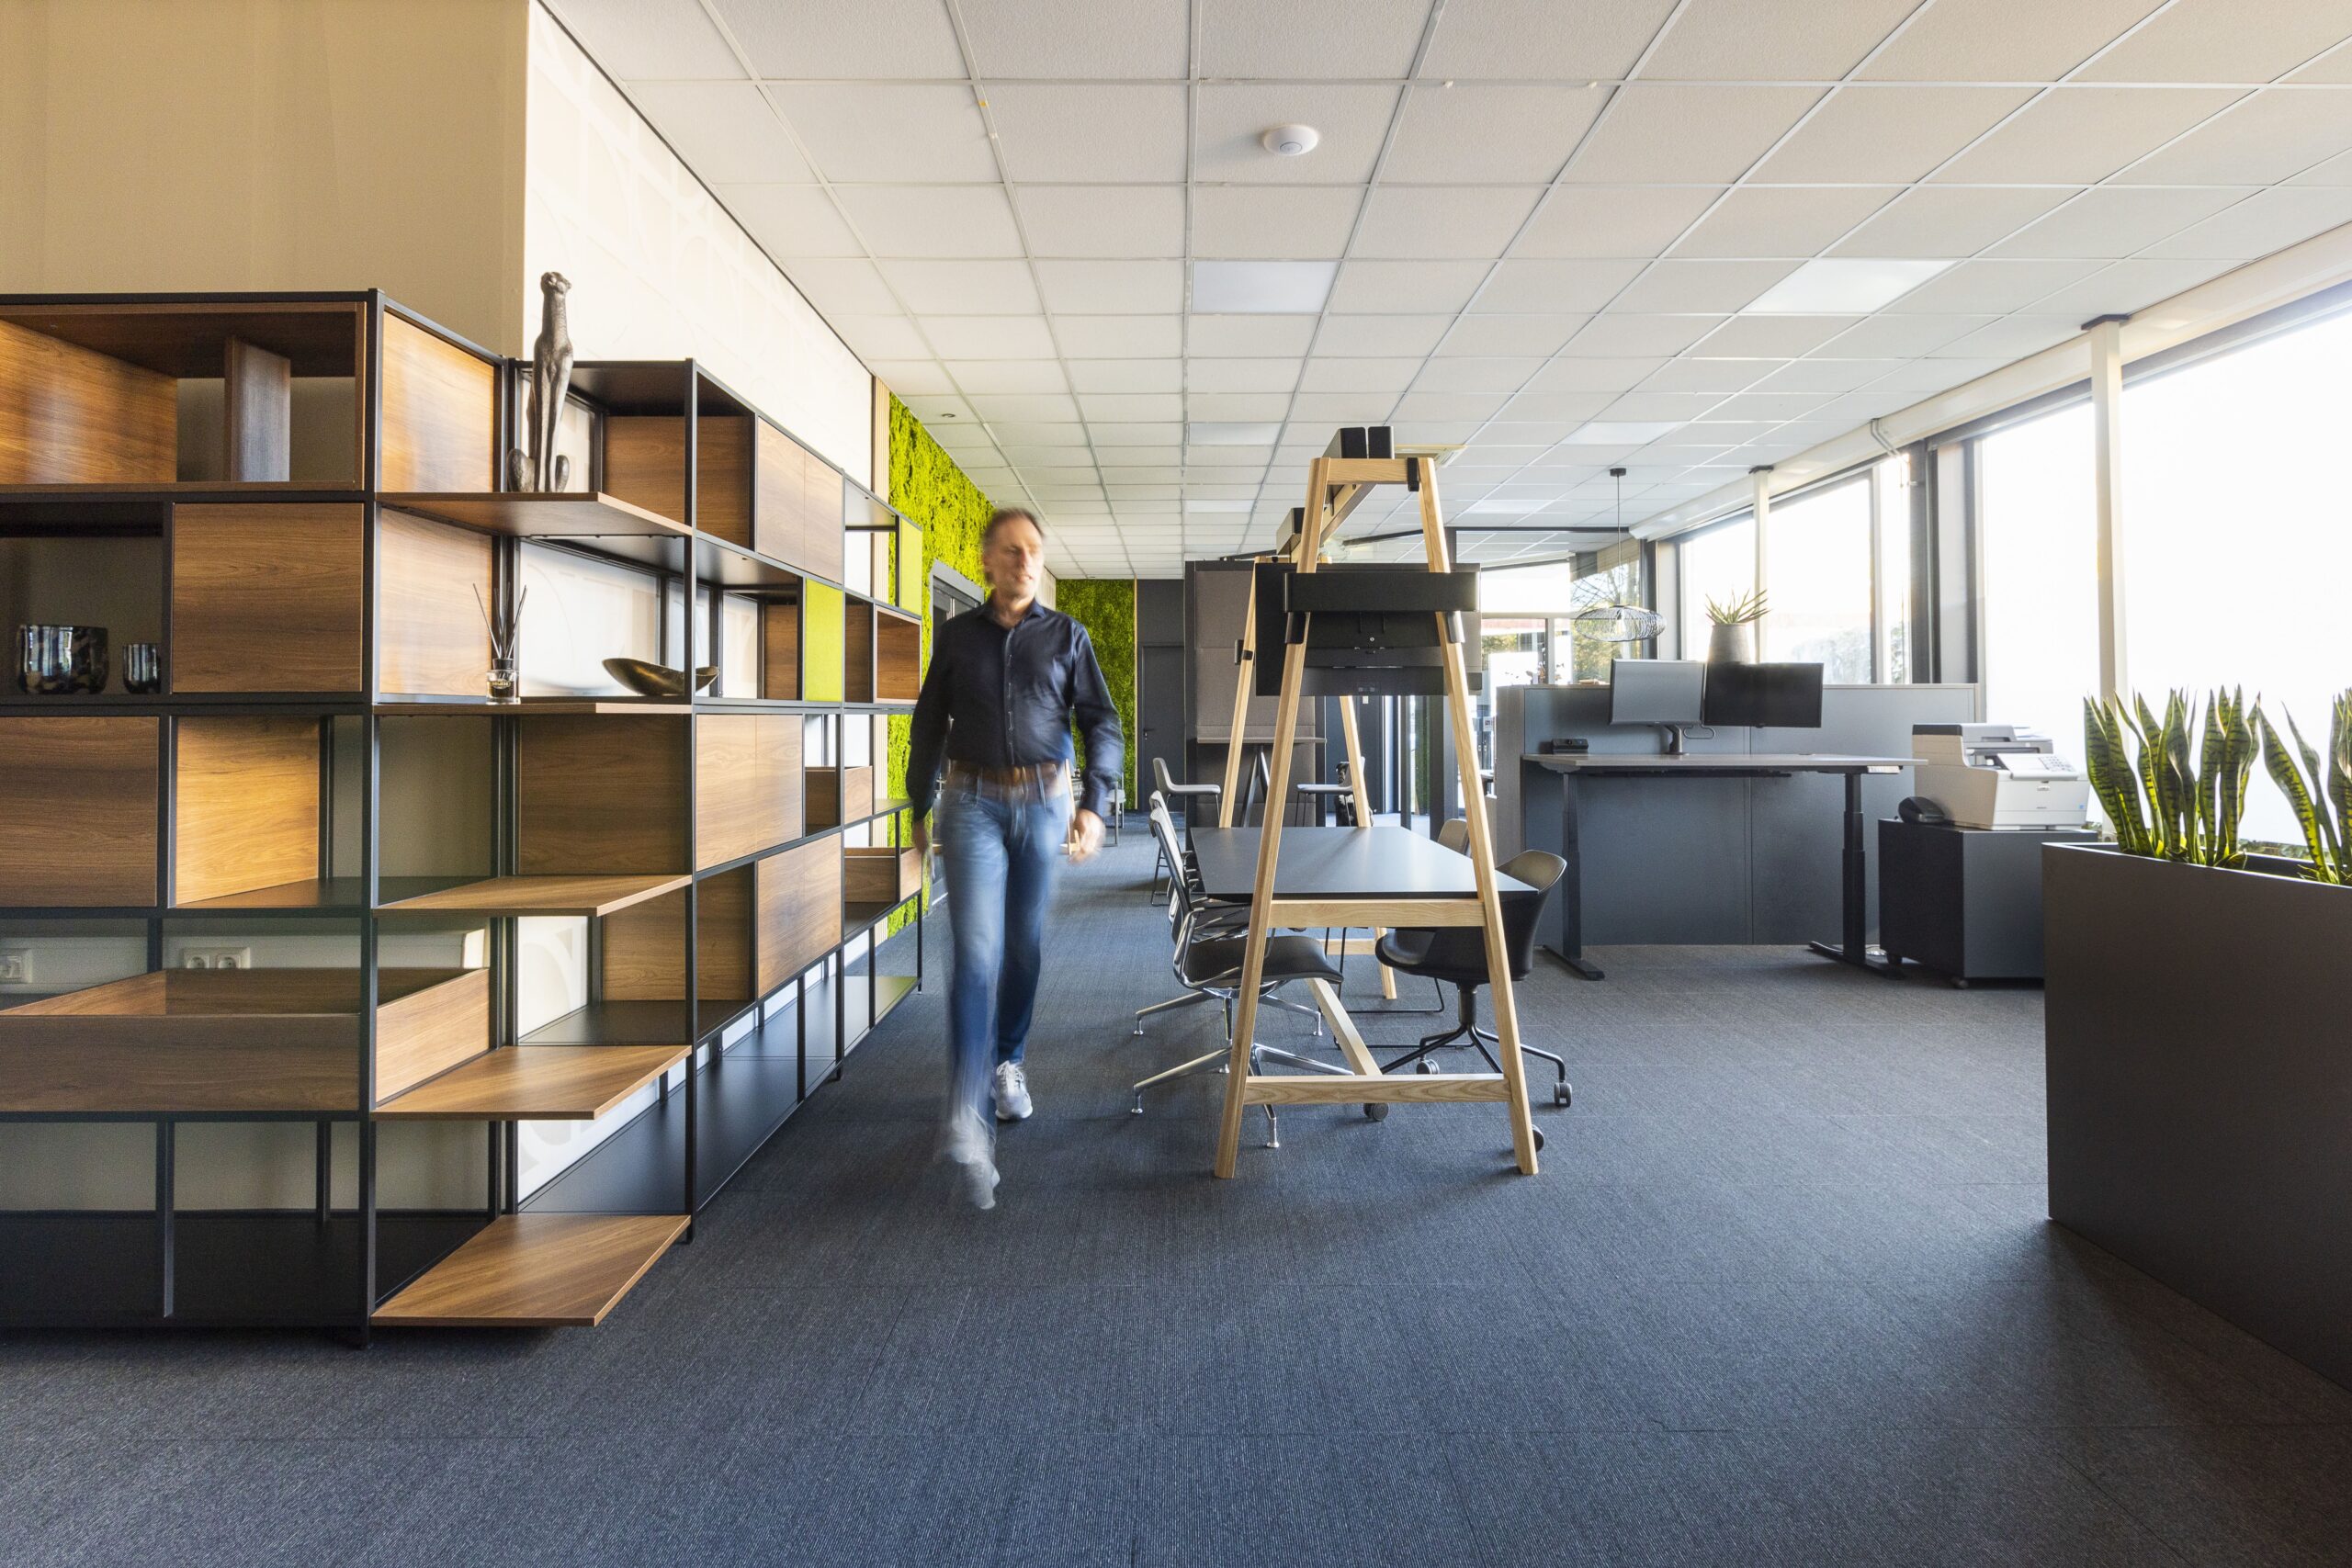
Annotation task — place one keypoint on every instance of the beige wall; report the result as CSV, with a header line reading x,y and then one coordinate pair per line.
x,y
269,144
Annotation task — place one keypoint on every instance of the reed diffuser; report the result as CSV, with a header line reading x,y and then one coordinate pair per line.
x,y
502,632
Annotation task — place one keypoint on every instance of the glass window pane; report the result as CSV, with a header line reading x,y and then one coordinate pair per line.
x,y
1817,581
1894,479
1718,563
2039,582
2232,460
1525,589
1583,654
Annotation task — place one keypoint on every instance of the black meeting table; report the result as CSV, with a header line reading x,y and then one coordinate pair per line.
x,y
1340,862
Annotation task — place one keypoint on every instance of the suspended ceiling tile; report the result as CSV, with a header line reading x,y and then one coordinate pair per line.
x,y
813,38
1249,407
1008,376
651,39
1896,337
1496,334
2263,139
726,132
1719,377
963,288
2010,338
1128,430
1356,337
1325,410
1484,375
1645,408
1537,409
1207,374
843,286
2266,221
1784,221
2222,40
1016,431
2117,220
1112,407
2126,286
1438,223
1760,40
1993,286
913,377
989,337
1948,220
1230,117
1359,374
929,409
1244,336
1112,288
1614,221
1044,38
1771,337
881,337
1407,287
870,131
1056,130
793,220
1307,39
1283,222
1670,134
1676,284
1818,375
1473,131
1101,220
2081,135
1042,457
1526,288
1921,378
1565,40
1594,373
1120,337
932,221
1616,336
1889,134
1126,375
2003,41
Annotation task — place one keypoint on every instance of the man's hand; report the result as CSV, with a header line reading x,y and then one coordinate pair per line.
x,y
922,839
1085,835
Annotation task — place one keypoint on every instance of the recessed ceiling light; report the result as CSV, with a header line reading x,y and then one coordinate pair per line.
x,y
1622,433
1843,287
1284,287
1228,433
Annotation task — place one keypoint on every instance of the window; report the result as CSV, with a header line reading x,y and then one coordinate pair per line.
x,y
1818,581
2039,575
1718,563
1583,654
2238,534
1893,482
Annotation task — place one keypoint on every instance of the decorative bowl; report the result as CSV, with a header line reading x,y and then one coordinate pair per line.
x,y
142,669
55,660
649,680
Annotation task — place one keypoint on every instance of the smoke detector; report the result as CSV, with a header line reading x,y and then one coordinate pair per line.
x,y
1290,140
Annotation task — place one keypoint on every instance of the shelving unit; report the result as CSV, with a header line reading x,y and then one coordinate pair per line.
x,y
662,913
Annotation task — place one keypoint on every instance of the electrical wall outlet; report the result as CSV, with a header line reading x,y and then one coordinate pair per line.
x,y
216,958
16,964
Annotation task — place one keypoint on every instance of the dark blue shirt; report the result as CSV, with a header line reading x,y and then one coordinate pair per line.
x,y
1005,696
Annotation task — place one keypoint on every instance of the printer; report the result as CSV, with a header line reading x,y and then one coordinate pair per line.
x,y
1997,775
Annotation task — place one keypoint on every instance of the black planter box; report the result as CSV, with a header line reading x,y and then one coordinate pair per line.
x,y
2201,1086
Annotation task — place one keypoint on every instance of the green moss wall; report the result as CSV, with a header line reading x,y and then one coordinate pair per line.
x,y
1105,606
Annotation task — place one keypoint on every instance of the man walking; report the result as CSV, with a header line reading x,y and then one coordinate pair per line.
x,y
1005,681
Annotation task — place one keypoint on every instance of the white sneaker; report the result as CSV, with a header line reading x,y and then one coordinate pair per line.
x,y
1012,1102
970,1147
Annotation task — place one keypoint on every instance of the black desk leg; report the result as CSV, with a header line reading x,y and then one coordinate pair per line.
x,y
1571,949
1854,948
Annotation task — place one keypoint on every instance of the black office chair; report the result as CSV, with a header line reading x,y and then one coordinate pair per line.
x,y
1208,966
1254,791
1458,954
1454,833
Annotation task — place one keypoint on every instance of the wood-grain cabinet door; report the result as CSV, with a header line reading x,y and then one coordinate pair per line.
x,y
799,909
267,598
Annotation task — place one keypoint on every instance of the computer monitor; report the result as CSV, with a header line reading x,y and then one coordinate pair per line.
x,y
1667,693
1764,696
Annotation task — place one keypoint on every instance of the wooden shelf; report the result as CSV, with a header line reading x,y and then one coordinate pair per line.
x,y
535,1272
582,895
658,706
323,895
542,514
537,1083
655,1023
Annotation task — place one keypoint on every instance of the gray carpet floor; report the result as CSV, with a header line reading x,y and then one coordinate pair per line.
x,y
1784,1293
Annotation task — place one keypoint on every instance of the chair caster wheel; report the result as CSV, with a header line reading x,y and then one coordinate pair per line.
x,y
1376,1110
1539,1138
1135,1110
1560,1094
1424,1066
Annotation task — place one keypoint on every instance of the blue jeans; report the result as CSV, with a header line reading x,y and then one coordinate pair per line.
x,y
1002,846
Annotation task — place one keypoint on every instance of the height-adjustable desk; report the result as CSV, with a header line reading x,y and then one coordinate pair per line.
x,y
1577,770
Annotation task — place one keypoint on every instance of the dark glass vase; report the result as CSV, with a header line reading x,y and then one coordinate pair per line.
x,y
54,660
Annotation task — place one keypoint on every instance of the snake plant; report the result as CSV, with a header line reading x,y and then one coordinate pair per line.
x,y
2165,804
2321,795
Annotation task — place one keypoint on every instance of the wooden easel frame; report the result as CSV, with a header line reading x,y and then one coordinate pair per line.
x,y
1334,487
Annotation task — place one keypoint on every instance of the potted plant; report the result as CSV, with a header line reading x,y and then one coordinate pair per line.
x,y
2200,1080
1733,640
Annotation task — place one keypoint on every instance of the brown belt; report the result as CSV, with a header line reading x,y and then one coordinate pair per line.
x,y
1038,773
